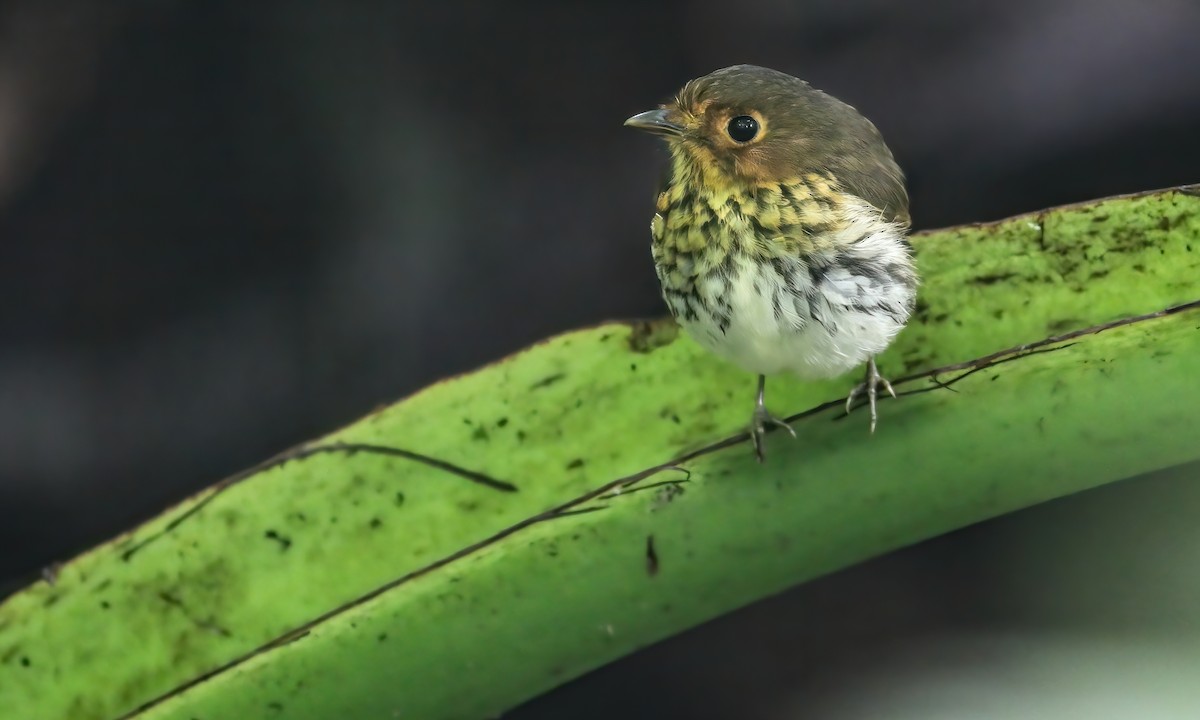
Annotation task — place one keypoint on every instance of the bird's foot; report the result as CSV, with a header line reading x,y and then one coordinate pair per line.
x,y
759,422
870,386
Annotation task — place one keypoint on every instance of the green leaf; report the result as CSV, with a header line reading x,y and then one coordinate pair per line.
x,y
361,576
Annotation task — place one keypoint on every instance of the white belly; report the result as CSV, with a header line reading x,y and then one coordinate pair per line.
x,y
783,317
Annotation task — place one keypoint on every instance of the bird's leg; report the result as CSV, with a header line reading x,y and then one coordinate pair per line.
x,y
762,419
870,386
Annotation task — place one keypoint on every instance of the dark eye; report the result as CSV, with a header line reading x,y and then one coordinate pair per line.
x,y
742,128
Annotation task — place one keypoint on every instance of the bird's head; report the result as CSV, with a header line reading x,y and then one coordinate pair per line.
x,y
747,125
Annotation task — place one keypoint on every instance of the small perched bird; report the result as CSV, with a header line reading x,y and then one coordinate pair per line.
x,y
779,235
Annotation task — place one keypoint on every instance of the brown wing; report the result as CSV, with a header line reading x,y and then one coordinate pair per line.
x,y
872,174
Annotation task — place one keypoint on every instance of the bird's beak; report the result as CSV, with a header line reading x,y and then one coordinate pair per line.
x,y
658,122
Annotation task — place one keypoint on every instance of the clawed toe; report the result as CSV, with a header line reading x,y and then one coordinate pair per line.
x,y
758,430
761,420
870,387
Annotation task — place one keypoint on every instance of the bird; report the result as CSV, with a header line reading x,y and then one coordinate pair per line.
x,y
780,232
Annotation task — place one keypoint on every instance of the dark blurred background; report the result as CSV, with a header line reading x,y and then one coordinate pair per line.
x,y
228,226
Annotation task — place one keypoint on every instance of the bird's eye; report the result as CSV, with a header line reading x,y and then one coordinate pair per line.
x,y
742,128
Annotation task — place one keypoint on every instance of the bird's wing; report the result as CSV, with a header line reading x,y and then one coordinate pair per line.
x,y
879,181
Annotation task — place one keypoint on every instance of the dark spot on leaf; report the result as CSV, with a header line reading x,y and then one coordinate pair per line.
x,y
381,637
575,464
649,335
667,494
468,505
547,381
520,436
480,433
399,498
501,422
284,541
1057,326
991,279
375,523
25,662
651,557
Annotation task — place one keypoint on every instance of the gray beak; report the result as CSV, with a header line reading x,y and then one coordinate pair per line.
x,y
657,122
